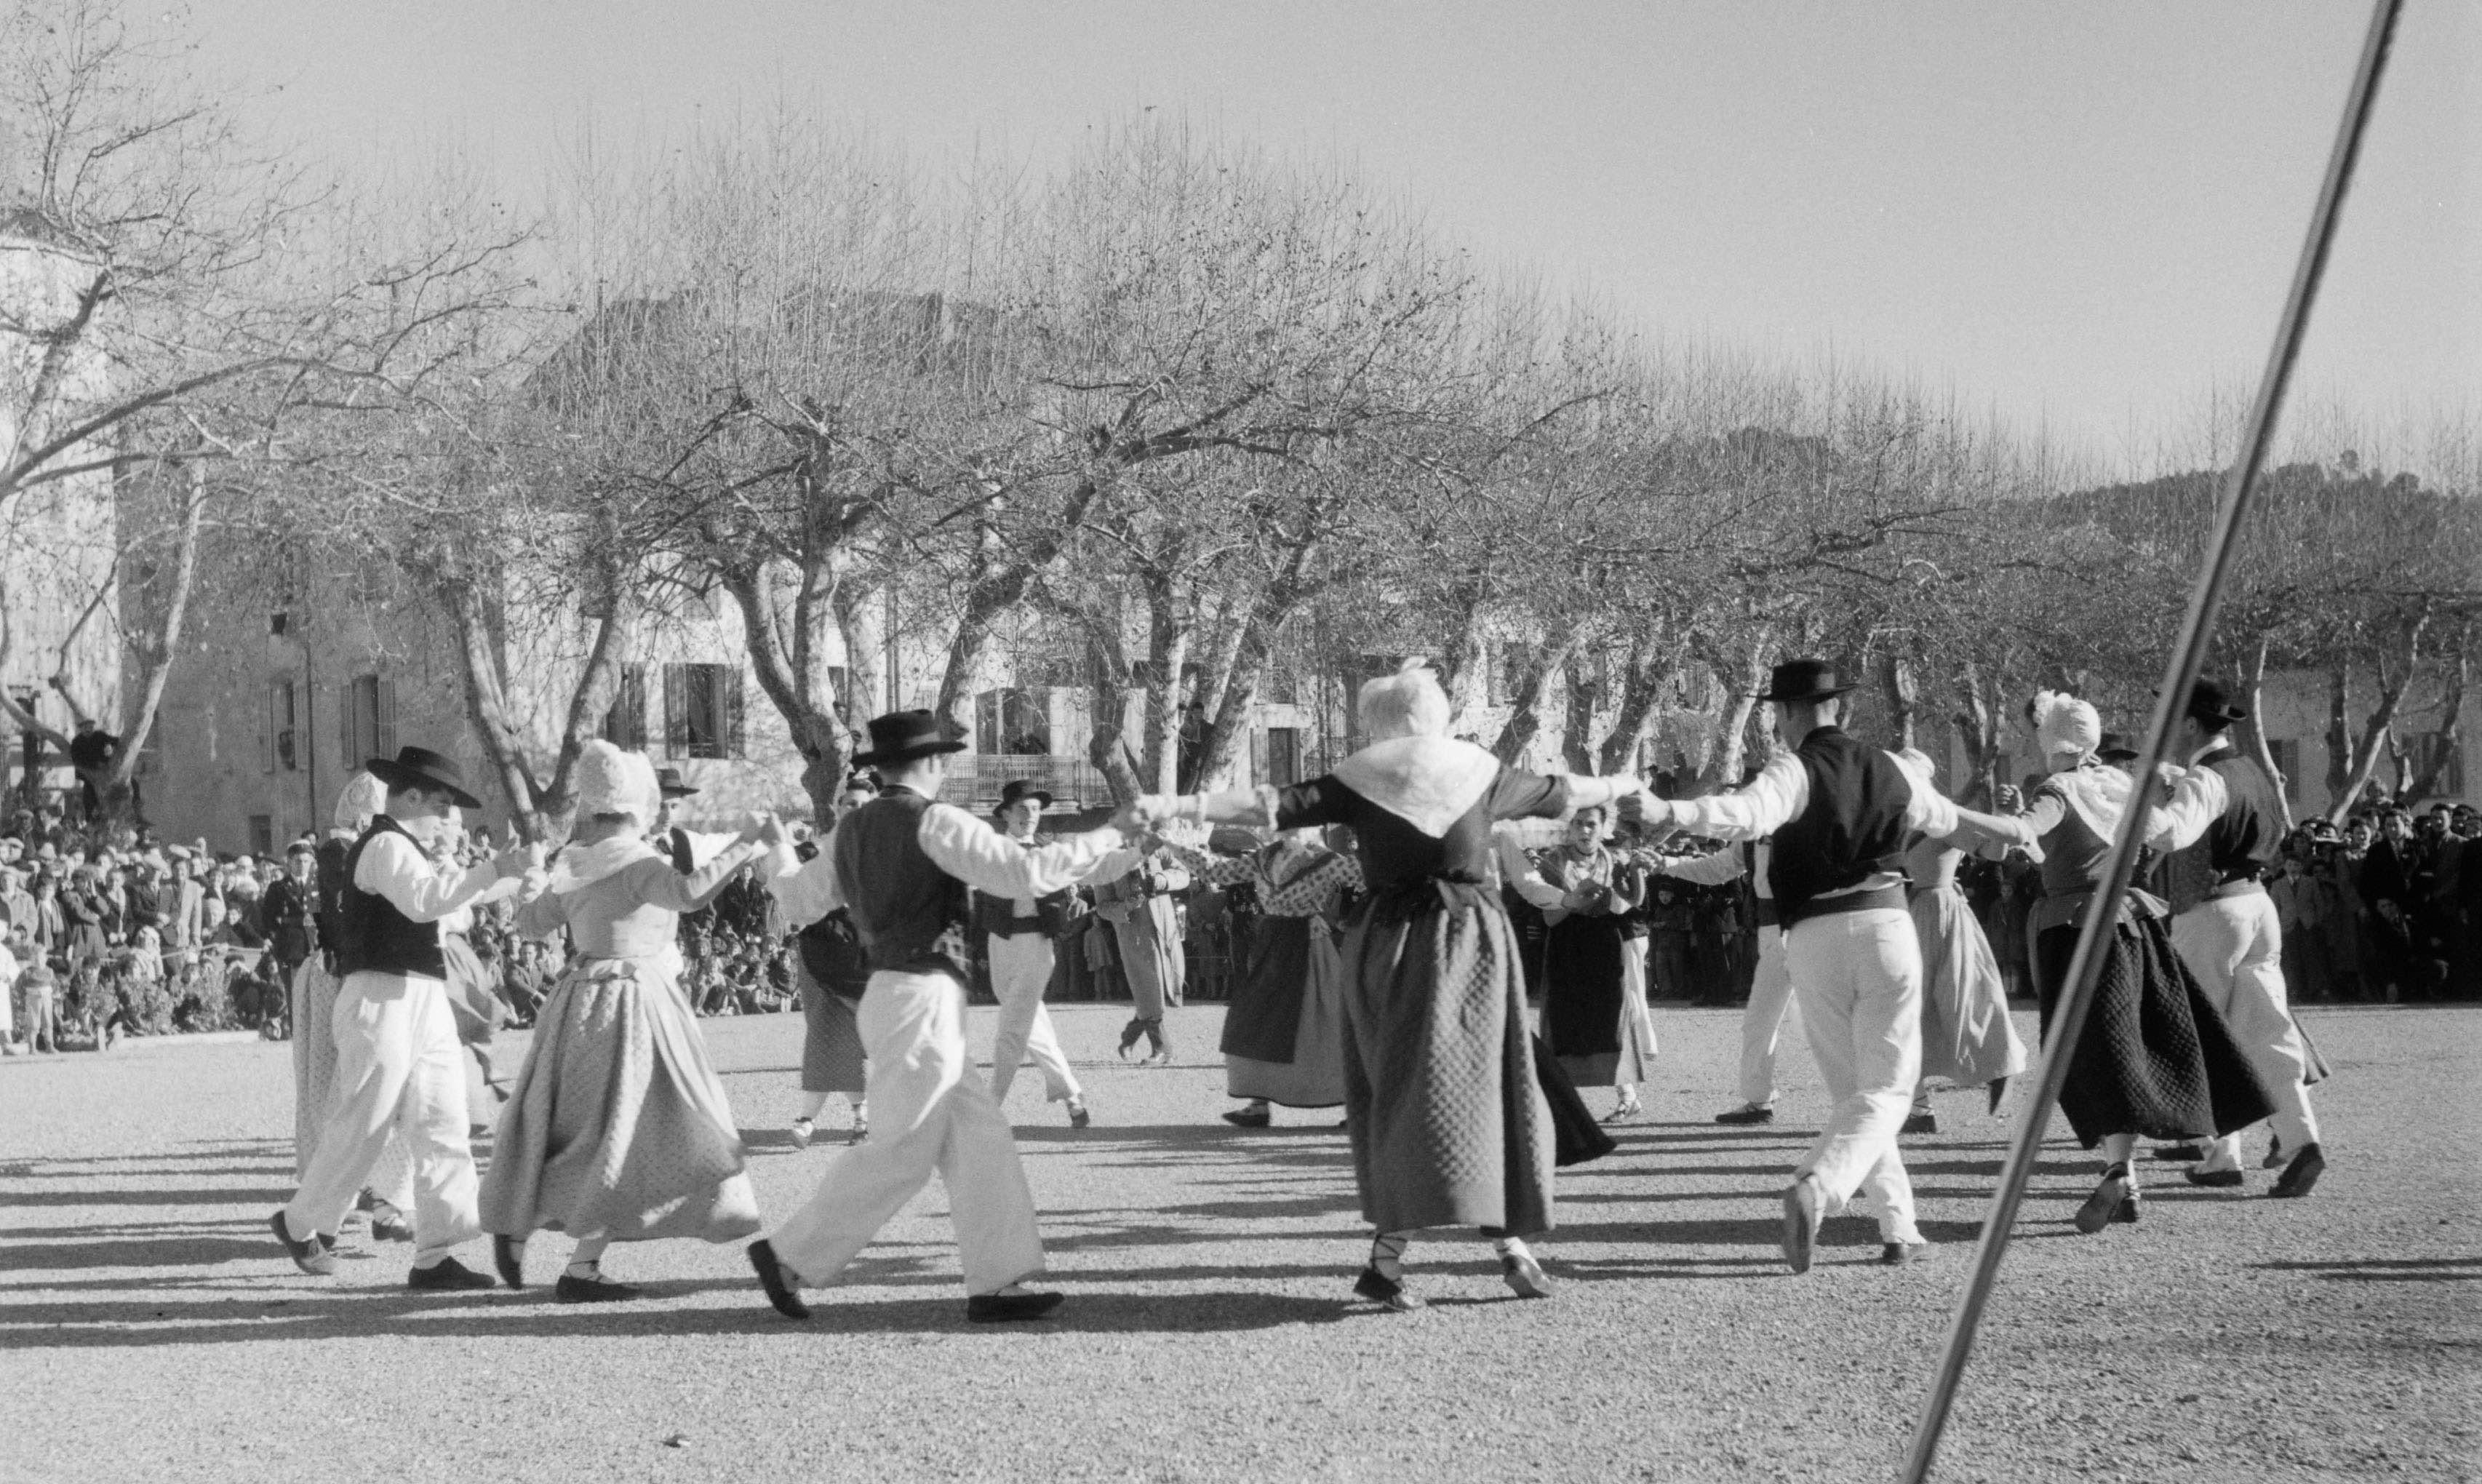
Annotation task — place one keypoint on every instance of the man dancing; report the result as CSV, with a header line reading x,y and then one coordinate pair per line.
x,y
1840,814
902,864
398,1063
1021,931
2224,927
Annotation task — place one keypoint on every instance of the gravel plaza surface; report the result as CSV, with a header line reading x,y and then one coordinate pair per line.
x,y
154,1330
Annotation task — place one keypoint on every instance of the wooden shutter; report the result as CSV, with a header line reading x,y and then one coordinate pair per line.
x,y
384,694
727,683
676,711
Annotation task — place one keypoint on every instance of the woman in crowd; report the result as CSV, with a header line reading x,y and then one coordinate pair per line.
x,y
1595,1015
1448,1124
2155,1059
1283,1032
617,1129
834,971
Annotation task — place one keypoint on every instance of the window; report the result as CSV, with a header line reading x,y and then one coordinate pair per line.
x,y
702,711
1012,720
262,834
370,720
625,723
283,729
2286,752
1283,756
2434,755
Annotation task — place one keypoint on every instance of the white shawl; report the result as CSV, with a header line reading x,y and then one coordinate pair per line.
x,y
1429,782
580,866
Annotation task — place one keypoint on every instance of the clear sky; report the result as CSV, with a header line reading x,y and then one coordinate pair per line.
x,y
2083,213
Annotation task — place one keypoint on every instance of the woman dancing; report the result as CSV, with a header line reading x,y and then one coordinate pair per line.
x,y
1595,1015
1448,1124
618,1131
1284,1035
2155,1058
1967,1037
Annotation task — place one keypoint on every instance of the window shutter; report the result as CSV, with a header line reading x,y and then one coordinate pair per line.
x,y
728,681
385,690
275,721
676,711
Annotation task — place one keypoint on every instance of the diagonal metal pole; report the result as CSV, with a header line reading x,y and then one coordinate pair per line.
x,y
2188,657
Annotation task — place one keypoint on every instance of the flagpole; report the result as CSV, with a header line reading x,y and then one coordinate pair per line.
x,y
2188,657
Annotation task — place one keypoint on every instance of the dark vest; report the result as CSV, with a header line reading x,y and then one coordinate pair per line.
x,y
997,917
1852,828
2240,844
900,901
373,936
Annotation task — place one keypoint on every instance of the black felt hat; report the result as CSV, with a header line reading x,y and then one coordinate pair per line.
x,y
667,782
1804,680
902,737
419,767
1017,788
2210,702
2116,749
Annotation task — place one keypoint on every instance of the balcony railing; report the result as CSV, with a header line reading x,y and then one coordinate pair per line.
x,y
1072,782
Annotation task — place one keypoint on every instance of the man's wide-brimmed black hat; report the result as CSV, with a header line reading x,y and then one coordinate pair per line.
x,y
667,782
1017,788
1804,680
2210,702
2116,749
419,767
902,737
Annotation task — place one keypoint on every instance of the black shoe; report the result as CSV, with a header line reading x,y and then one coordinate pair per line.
x,y
1249,1118
1079,1116
1920,1123
388,1223
1384,1291
314,1257
1801,1215
1998,1094
1899,1254
1131,1035
448,1276
571,1289
1746,1114
509,1256
1005,1308
2102,1208
2275,1158
781,1293
2181,1153
2219,1179
2301,1174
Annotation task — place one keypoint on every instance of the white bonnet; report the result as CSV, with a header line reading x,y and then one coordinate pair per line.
x,y
365,796
2065,724
615,780
1408,704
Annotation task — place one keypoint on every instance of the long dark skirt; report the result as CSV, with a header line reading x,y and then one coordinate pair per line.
x,y
832,1054
2155,1058
1576,1138
1446,1116
1265,1013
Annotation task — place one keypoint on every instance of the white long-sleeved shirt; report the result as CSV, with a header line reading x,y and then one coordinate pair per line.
x,y
1779,794
394,866
1716,867
959,844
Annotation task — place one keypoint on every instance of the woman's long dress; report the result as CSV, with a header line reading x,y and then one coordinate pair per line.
x,y
618,1128
1594,1015
2155,1058
1967,1037
1283,1027
1447,1123
834,971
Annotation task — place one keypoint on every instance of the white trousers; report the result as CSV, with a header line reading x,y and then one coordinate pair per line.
x,y
2234,947
399,1067
1763,1019
928,1113
1858,976
1020,971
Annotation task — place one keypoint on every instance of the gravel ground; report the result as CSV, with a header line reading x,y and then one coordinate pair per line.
x,y
154,1330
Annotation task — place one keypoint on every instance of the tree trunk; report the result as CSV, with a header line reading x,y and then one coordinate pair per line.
x,y
802,692
1978,720
2252,686
1641,688
1902,692
1525,716
487,702
861,615
1261,628
1168,634
2375,731
998,584
1583,703
1742,685
2431,784
1465,661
